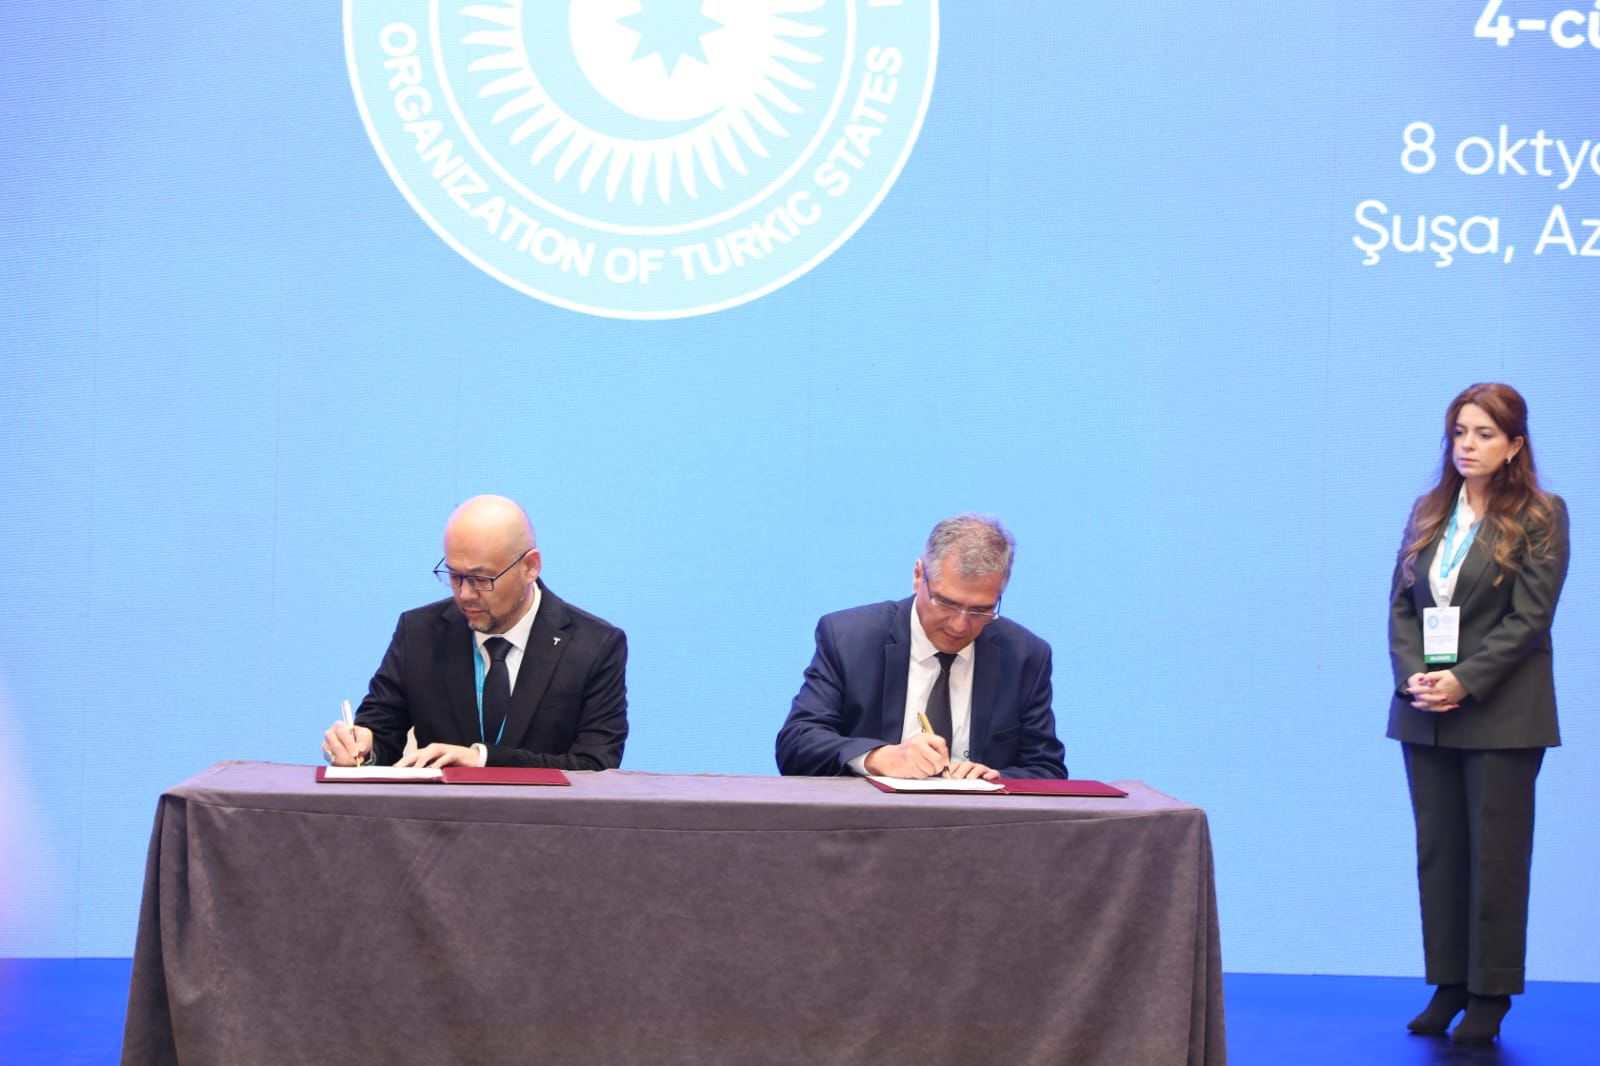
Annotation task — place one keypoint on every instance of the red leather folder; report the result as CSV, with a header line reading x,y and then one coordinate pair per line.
x,y
503,775
1054,786
458,775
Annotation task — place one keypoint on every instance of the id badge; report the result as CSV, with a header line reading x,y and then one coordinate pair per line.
x,y
1441,632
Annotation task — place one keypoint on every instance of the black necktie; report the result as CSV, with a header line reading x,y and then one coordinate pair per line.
x,y
496,689
939,703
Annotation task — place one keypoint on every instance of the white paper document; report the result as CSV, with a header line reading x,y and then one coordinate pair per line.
x,y
382,773
937,784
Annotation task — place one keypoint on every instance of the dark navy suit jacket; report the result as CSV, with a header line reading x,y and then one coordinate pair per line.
x,y
854,696
569,708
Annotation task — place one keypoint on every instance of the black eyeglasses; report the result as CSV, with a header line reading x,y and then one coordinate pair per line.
x,y
479,583
981,614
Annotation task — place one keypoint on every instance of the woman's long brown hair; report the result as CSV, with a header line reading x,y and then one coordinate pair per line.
x,y
1519,512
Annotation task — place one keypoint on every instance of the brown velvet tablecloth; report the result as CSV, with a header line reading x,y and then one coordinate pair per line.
x,y
652,918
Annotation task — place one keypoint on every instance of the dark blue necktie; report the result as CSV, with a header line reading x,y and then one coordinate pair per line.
x,y
939,703
496,689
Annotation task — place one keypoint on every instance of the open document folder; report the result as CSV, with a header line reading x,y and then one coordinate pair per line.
x,y
1006,786
449,775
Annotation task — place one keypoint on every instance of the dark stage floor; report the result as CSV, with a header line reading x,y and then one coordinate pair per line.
x,y
68,1012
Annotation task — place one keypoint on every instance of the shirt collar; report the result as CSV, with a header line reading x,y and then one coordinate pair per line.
x,y
518,633
922,648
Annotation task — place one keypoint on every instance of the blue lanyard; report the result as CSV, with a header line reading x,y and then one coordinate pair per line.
x,y
1449,562
477,684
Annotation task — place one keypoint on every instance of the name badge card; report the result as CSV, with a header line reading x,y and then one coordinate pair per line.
x,y
1441,632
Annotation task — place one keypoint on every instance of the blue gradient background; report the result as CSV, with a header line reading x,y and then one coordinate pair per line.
x,y
1113,299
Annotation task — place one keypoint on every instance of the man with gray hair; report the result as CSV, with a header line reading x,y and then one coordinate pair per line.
x,y
982,682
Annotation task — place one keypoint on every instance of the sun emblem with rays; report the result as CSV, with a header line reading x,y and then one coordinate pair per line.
x,y
641,100
643,159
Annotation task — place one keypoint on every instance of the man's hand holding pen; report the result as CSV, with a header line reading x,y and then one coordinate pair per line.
x,y
345,743
923,755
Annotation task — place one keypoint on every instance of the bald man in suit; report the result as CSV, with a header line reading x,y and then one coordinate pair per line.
x,y
504,673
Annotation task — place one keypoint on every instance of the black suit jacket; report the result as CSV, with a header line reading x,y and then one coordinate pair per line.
x,y
854,696
569,708
1504,661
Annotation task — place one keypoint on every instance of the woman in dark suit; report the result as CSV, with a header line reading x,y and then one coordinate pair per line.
x,y
1485,552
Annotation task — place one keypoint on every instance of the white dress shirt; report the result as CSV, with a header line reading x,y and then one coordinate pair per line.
x,y
518,637
921,673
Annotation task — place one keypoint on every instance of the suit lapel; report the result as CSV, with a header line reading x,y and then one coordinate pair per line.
x,y
1479,561
1422,581
987,662
460,681
547,642
896,663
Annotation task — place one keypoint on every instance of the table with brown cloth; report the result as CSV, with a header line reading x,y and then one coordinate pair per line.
x,y
663,918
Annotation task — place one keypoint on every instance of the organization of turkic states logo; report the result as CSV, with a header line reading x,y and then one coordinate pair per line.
x,y
643,158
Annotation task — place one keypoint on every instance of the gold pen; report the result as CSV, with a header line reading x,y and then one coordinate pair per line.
x,y
927,727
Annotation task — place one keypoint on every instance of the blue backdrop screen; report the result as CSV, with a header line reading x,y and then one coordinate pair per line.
x,y
1180,293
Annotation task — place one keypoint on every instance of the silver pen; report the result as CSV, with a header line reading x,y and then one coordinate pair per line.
x,y
350,724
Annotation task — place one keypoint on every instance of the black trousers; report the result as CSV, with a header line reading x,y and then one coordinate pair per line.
x,y
1474,815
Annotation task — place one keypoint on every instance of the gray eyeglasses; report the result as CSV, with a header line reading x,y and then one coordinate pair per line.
x,y
456,579
982,614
